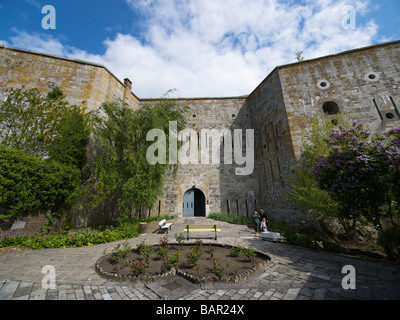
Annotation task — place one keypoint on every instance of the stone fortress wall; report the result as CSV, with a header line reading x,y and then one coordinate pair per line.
x,y
364,82
85,84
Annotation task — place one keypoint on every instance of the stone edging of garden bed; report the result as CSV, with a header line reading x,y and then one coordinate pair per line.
x,y
129,278
186,275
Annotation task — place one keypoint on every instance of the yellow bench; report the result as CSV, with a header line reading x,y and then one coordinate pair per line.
x,y
202,228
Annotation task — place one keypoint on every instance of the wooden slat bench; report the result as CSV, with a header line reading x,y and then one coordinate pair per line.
x,y
163,225
202,228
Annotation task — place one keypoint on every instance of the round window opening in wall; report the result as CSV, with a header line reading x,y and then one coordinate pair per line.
x,y
330,108
323,84
390,115
372,76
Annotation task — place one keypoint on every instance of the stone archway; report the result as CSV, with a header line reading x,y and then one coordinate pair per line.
x,y
194,203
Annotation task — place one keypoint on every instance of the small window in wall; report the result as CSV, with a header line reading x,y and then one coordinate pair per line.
x,y
390,116
330,108
372,76
323,84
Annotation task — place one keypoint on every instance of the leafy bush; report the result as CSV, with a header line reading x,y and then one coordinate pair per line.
x,y
92,237
28,184
294,237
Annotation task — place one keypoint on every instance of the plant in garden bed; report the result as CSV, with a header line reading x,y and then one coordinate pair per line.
x,y
235,251
138,268
163,254
217,269
164,241
211,250
250,254
179,238
87,238
193,256
120,251
145,252
220,267
174,258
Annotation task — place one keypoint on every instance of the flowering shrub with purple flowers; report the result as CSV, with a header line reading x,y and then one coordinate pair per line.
x,y
361,174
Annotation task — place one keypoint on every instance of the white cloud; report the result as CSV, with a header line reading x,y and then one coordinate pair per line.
x,y
37,42
217,48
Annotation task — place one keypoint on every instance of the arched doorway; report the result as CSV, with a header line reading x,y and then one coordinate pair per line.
x,y
194,203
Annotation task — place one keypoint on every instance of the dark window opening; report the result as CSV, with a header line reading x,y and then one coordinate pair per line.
x,y
330,108
390,115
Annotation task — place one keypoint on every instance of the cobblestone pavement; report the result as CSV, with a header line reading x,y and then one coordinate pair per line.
x,y
293,274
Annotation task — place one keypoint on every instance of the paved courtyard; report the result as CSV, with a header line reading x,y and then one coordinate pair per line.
x,y
293,274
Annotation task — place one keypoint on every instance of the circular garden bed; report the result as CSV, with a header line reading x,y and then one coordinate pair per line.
x,y
200,263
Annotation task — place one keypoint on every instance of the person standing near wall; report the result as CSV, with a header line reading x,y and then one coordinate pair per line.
x,y
264,215
256,220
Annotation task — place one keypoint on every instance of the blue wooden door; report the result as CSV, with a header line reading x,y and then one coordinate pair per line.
x,y
188,204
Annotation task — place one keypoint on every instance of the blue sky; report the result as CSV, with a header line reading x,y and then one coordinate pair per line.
x,y
199,47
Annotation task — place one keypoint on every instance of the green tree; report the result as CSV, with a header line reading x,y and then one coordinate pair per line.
x,y
44,126
121,170
69,145
28,121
